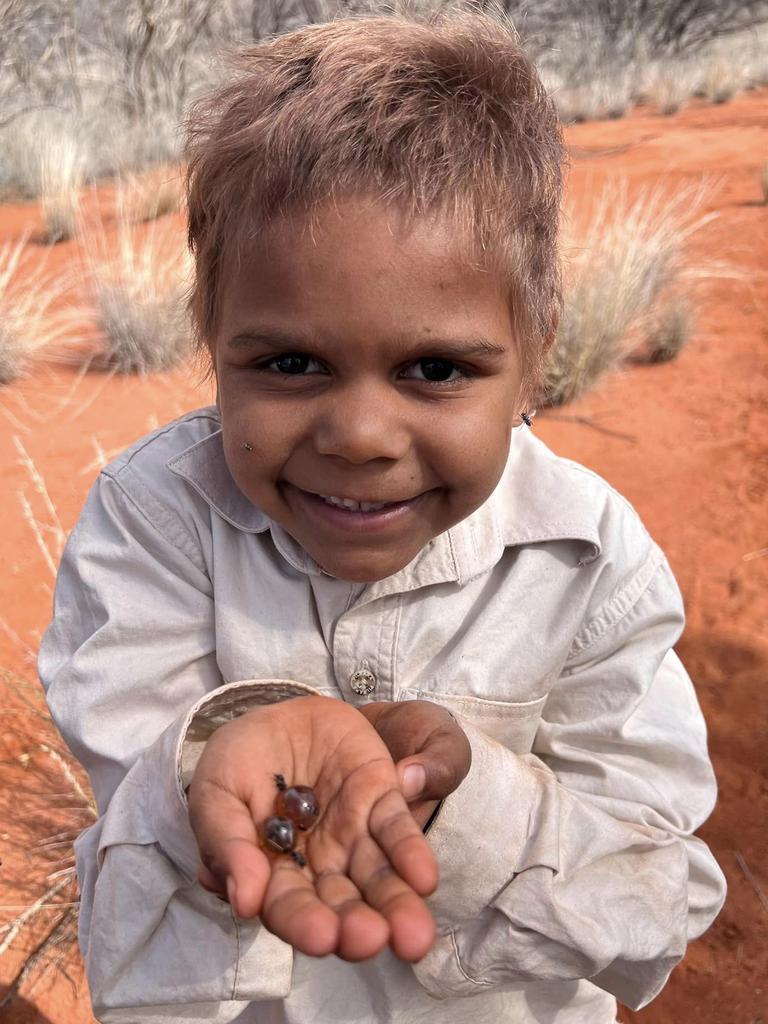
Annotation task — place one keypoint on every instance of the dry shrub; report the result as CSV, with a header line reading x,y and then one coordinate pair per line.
x,y
630,266
139,282
43,811
596,70
28,318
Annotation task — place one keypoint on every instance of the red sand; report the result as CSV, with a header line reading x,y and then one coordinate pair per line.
x,y
696,468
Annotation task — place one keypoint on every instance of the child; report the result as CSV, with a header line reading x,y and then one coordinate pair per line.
x,y
363,572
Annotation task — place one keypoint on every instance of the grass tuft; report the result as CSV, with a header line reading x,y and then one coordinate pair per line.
x,y
43,812
139,282
629,264
28,320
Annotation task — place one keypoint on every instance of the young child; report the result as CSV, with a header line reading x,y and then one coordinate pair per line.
x,y
362,571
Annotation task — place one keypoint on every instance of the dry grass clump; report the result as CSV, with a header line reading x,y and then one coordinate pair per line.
x,y
139,282
626,288
43,811
28,318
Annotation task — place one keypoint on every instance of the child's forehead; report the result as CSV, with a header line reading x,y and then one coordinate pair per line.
x,y
360,229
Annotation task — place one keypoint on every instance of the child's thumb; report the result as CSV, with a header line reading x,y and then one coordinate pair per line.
x,y
435,772
413,781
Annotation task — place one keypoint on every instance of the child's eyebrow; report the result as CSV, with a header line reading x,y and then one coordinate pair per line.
x,y
279,338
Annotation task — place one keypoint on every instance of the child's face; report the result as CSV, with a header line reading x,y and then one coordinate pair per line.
x,y
365,361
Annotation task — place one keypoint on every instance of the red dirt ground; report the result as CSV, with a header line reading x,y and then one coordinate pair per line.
x,y
693,460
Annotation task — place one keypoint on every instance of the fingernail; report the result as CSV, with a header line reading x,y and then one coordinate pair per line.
x,y
231,892
414,780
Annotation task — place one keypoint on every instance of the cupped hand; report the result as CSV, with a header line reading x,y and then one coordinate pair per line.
x,y
432,752
368,865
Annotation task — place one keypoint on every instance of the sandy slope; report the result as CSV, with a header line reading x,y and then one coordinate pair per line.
x,y
695,464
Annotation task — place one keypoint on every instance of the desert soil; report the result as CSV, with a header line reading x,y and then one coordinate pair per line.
x,y
686,442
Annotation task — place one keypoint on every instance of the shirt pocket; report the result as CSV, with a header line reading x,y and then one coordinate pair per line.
x,y
512,723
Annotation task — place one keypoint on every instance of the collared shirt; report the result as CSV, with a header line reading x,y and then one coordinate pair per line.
x,y
545,622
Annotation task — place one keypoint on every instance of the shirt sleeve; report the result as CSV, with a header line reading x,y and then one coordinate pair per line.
x,y
586,862
129,665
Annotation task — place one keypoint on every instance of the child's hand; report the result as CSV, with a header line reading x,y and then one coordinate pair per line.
x,y
368,865
432,752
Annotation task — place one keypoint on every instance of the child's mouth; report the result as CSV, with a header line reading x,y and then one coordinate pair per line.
x,y
348,513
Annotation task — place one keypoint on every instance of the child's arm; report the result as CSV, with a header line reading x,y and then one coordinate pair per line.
x,y
129,659
578,861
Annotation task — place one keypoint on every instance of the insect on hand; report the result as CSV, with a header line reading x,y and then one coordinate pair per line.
x,y
296,807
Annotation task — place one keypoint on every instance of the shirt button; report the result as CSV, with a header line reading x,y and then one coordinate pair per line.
x,y
363,682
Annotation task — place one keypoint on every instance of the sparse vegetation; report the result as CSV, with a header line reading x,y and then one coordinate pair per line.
x,y
123,77
626,287
43,813
28,318
138,285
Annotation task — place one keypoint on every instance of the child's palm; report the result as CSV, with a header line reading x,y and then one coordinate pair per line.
x,y
368,863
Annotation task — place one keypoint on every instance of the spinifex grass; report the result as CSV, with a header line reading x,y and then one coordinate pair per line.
x,y
138,280
631,262
43,811
28,318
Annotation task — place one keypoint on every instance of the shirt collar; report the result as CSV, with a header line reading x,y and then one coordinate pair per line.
x,y
530,505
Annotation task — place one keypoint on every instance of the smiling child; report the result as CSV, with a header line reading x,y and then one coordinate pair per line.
x,y
362,573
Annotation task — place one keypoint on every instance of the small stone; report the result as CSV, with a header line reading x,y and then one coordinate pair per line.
x,y
298,803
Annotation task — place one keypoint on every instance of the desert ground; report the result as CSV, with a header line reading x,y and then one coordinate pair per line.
x,y
685,441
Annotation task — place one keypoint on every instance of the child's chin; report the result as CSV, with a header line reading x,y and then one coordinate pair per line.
x,y
362,569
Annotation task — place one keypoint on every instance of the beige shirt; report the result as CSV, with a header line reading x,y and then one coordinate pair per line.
x,y
545,622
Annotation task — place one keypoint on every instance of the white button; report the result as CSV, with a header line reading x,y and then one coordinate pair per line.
x,y
363,681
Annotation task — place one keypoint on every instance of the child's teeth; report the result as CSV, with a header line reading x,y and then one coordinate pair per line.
x,y
353,506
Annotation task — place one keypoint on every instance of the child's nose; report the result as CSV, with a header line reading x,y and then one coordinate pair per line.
x,y
362,423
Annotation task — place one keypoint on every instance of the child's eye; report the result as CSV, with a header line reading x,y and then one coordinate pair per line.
x,y
294,363
438,371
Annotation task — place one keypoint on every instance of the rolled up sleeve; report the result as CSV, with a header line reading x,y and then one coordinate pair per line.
x,y
579,860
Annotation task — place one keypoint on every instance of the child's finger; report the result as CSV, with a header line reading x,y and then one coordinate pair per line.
x,y
363,931
412,929
292,910
392,826
229,847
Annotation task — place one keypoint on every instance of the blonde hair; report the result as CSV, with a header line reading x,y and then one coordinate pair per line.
x,y
444,115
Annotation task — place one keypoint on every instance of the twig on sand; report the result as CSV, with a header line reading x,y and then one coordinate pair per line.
x,y
751,879
752,555
585,421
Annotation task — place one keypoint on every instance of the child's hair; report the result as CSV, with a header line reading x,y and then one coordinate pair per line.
x,y
439,115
